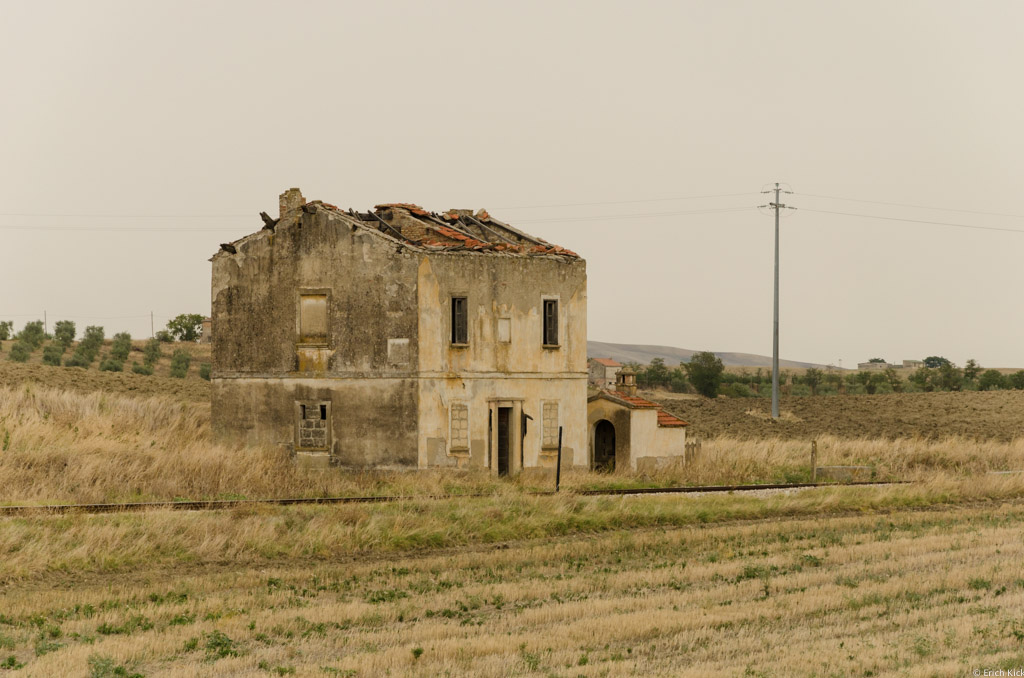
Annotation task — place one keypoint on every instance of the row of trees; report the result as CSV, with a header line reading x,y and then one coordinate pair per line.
x,y
33,336
186,327
706,375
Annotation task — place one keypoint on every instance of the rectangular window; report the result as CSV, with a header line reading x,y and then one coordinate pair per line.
x,y
313,319
459,427
549,426
460,320
551,322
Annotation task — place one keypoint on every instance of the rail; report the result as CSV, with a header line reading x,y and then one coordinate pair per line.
x,y
220,504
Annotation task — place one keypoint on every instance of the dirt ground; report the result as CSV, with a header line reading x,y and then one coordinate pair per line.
x,y
979,415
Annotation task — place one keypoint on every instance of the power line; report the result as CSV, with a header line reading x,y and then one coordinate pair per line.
x,y
917,221
131,216
118,229
922,207
625,202
633,216
196,229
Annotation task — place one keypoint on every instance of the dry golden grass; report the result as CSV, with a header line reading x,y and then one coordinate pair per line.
x,y
61,446
921,594
837,581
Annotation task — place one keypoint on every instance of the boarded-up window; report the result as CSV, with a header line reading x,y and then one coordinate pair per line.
x,y
459,426
550,322
505,330
460,320
313,318
549,425
312,429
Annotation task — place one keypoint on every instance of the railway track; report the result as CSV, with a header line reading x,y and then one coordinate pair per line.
x,y
221,504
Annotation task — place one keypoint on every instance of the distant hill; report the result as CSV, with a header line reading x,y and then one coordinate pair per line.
x,y
672,356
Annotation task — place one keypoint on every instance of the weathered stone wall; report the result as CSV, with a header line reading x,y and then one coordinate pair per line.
x,y
367,368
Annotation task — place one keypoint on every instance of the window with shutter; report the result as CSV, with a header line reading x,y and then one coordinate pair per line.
x,y
460,320
551,322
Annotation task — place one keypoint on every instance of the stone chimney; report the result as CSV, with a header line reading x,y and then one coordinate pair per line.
x,y
625,381
291,200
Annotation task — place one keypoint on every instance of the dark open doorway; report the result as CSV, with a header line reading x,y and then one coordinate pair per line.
x,y
504,417
604,446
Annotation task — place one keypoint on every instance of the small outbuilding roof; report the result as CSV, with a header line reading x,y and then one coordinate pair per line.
x,y
665,419
607,362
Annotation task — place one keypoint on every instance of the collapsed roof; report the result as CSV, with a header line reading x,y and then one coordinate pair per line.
x,y
457,230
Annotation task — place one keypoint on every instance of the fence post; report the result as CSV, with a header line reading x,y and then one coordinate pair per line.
x,y
558,464
814,461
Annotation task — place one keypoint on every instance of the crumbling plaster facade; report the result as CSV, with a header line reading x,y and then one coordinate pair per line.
x,y
382,374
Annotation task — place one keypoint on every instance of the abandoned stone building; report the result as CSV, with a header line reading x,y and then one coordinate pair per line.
x,y
400,338
603,371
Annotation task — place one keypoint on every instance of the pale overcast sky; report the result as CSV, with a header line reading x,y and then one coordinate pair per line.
x,y
120,118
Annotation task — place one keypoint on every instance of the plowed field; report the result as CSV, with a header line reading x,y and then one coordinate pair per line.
x,y
988,415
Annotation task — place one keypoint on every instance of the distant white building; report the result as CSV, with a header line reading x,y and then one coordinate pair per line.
x,y
603,372
879,367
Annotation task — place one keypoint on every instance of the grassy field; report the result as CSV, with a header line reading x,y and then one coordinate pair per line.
x,y
920,580
60,446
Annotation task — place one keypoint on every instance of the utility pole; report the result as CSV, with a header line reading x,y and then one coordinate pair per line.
x,y
46,325
777,206
152,334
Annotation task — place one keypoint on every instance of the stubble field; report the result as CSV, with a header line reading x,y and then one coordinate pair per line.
x,y
921,579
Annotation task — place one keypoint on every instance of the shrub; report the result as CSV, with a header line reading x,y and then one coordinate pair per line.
x,y
111,365
705,373
152,352
164,336
91,343
64,332
204,371
736,390
6,327
33,334
186,327
142,369
992,380
1017,380
78,359
180,362
121,347
20,352
53,352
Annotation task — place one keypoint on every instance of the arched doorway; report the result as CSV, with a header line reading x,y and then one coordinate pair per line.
x,y
604,446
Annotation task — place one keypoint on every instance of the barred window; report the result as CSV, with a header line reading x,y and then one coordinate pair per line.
x,y
549,425
459,426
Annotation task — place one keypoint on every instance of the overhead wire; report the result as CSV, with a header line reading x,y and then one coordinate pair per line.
x,y
917,221
904,204
627,202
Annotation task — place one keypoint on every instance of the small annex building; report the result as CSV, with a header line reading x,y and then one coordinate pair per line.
x,y
603,372
400,338
630,433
